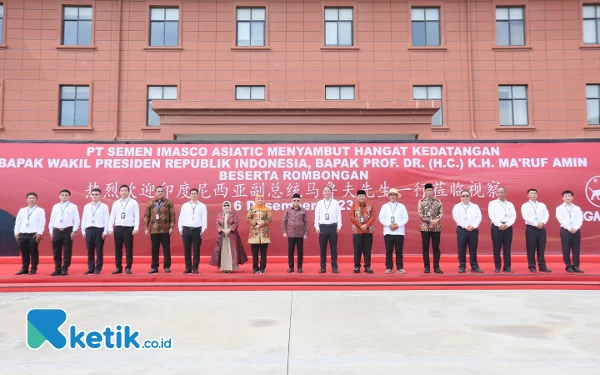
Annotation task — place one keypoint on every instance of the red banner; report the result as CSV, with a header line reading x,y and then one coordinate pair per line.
x,y
237,172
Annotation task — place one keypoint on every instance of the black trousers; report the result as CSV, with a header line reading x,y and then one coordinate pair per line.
x,y
363,244
570,241
29,250
328,235
471,239
434,238
502,240
292,243
163,239
191,237
62,239
95,246
392,242
535,240
263,256
123,236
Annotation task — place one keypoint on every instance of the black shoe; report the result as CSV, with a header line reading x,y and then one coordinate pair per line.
x,y
438,270
545,269
290,270
117,271
300,270
89,272
187,270
97,272
570,269
507,270
427,270
167,270
576,269
335,270
497,270
322,270
33,271
55,273
262,272
64,272
153,270
22,271
461,269
476,270
368,270
195,270
128,271
356,270
532,270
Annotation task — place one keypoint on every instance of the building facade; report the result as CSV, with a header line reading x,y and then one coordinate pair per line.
x,y
299,70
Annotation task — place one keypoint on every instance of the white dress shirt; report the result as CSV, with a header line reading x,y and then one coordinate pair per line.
x,y
502,212
193,215
569,216
398,212
64,215
331,208
465,216
95,216
132,214
30,220
534,213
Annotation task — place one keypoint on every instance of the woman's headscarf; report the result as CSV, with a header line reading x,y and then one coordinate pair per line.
x,y
260,207
228,203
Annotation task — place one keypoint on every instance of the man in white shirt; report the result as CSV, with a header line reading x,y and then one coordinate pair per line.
x,y
503,215
570,218
193,220
328,223
394,216
467,216
536,217
29,228
64,223
94,228
125,222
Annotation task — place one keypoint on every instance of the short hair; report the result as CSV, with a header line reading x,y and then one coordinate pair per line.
x,y
530,190
123,186
327,187
465,191
567,192
194,189
96,190
31,193
65,191
160,187
501,187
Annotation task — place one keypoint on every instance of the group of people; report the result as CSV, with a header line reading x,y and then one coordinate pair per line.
x,y
122,222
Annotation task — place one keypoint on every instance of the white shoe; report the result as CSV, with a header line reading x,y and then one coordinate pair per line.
x,y
401,270
388,270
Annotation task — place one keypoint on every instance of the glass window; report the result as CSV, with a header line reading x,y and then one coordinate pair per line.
x,y
339,28
164,27
339,92
74,105
77,26
430,93
425,27
250,93
593,104
591,24
159,93
513,105
510,26
251,26
1,23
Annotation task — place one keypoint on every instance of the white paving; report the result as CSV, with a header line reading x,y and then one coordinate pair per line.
x,y
307,333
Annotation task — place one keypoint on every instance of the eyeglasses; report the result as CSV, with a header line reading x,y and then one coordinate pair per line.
x,y
226,205
465,196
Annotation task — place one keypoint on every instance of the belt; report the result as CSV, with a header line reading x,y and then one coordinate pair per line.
x,y
328,225
63,229
193,228
27,234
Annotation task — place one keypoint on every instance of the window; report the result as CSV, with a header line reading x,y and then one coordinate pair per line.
x,y
513,105
250,93
425,27
74,105
339,92
159,93
251,27
339,29
591,24
77,26
593,104
1,23
164,27
510,26
430,93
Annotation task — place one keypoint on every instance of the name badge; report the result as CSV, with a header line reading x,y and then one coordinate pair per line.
x,y
362,219
505,215
157,217
61,220
393,220
466,218
122,215
570,223
27,224
536,219
93,221
326,216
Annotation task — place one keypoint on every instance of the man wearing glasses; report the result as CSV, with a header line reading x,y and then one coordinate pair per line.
x,y
295,228
503,215
431,212
467,216
94,228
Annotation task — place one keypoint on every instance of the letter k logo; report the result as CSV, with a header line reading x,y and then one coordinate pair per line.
x,y
43,325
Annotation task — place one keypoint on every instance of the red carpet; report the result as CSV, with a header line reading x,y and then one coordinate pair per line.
x,y
277,278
